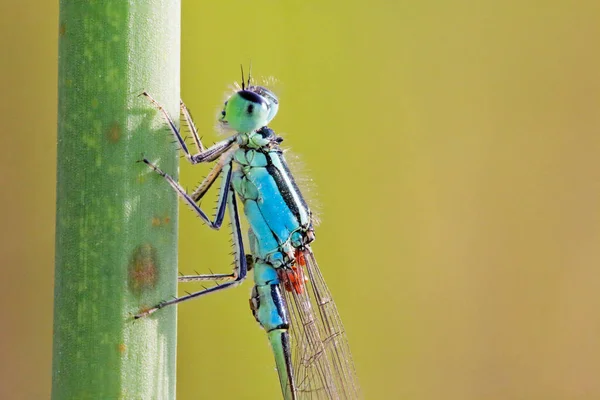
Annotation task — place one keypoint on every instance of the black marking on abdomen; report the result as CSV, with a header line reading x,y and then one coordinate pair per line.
x,y
282,185
280,305
293,182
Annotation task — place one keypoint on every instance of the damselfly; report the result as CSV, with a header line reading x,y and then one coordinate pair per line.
x,y
290,299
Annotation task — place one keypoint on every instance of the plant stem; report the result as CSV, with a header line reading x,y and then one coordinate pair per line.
x,y
116,224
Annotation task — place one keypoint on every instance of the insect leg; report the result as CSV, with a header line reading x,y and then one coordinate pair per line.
x,y
203,155
190,122
241,267
224,166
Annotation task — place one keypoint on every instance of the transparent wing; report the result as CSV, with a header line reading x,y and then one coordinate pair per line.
x,y
322,362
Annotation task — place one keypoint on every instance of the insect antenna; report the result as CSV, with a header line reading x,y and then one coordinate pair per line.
x,y
243,83
249,73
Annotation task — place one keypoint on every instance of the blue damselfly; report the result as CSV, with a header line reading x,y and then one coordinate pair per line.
x,y
290,299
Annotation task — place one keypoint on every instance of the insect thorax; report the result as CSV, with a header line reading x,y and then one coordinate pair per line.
x,y
275,209
263,138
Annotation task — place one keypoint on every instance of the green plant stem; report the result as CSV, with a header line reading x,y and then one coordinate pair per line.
x,y
116,224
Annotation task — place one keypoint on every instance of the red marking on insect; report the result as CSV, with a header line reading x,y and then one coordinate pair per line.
x,y
293,279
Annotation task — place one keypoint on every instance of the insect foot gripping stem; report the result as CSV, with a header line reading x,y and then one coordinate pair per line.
x,y
145,313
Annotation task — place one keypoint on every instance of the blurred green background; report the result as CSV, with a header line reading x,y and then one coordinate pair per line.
x,y
454,148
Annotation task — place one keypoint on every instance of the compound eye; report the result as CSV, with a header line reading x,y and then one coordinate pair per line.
x,y
245,111
270,98
252,97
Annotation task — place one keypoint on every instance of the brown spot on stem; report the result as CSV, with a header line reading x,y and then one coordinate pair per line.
x,y
62,29
158,221
114,132
122,348
143,268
